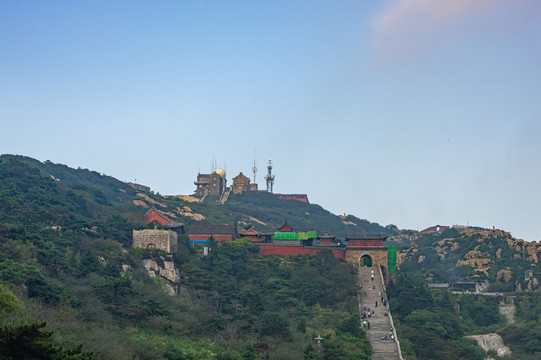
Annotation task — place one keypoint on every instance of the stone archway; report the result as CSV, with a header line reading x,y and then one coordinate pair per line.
x,y
366,260
151,246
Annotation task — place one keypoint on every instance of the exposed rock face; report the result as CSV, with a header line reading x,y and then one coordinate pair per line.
x,y
422,258
491,342
403,254
531,251
444,246
504,274
499,253
140,203
150,200
475,254
478,260
188,212
188,198
167,272
533,284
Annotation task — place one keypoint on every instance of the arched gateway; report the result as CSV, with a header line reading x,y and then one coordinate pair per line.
x,y
365,260
367,250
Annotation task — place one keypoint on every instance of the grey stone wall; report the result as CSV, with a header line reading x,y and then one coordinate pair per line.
x,y
165,240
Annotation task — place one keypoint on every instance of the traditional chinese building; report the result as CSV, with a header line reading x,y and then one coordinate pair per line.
x,y
204,233
241,183
165,240
251,234
438,229
325,238
367,250
156,216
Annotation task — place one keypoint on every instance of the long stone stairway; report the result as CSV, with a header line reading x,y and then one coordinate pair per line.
x,y
380,325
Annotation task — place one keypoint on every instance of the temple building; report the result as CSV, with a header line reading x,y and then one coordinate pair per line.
x,y
325,238
204,233
157,217
252,234
165,240
241,183
367,250
211,184
154,215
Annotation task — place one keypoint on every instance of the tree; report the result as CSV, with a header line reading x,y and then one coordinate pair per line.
x,y
32,341
8,301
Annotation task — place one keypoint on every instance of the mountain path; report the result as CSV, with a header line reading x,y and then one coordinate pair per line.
x,y
380,324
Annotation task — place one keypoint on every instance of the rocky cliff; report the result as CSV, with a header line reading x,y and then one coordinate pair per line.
x,y
495,256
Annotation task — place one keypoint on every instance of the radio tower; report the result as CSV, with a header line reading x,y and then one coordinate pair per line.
x,y
254,169
269,177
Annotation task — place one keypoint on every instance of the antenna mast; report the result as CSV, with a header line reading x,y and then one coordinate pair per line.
x,y
269,177
254,169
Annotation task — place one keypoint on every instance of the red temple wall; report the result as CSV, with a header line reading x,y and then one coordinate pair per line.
x,y
298,197
295,250
365,243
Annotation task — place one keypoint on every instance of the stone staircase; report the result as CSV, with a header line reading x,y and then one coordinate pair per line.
x,y
225,196
380,324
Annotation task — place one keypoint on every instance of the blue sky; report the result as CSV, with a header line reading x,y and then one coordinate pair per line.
x,y
406,112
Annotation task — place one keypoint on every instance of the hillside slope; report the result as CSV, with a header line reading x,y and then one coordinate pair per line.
x,y
259,209
66,260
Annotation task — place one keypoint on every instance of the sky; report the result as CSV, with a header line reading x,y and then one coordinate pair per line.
x,y
406,112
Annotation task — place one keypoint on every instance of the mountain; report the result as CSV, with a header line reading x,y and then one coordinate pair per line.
x,y
69,277
262,210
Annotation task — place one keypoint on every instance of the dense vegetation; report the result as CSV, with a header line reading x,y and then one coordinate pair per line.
x,y
428,324
434,324
72,288
271,210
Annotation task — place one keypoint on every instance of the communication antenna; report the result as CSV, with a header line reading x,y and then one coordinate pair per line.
x,y
269,177
254,168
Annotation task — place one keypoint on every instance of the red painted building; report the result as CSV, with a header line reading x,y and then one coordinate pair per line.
x,y
298,197
434,229
154,215
355,241
220,233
